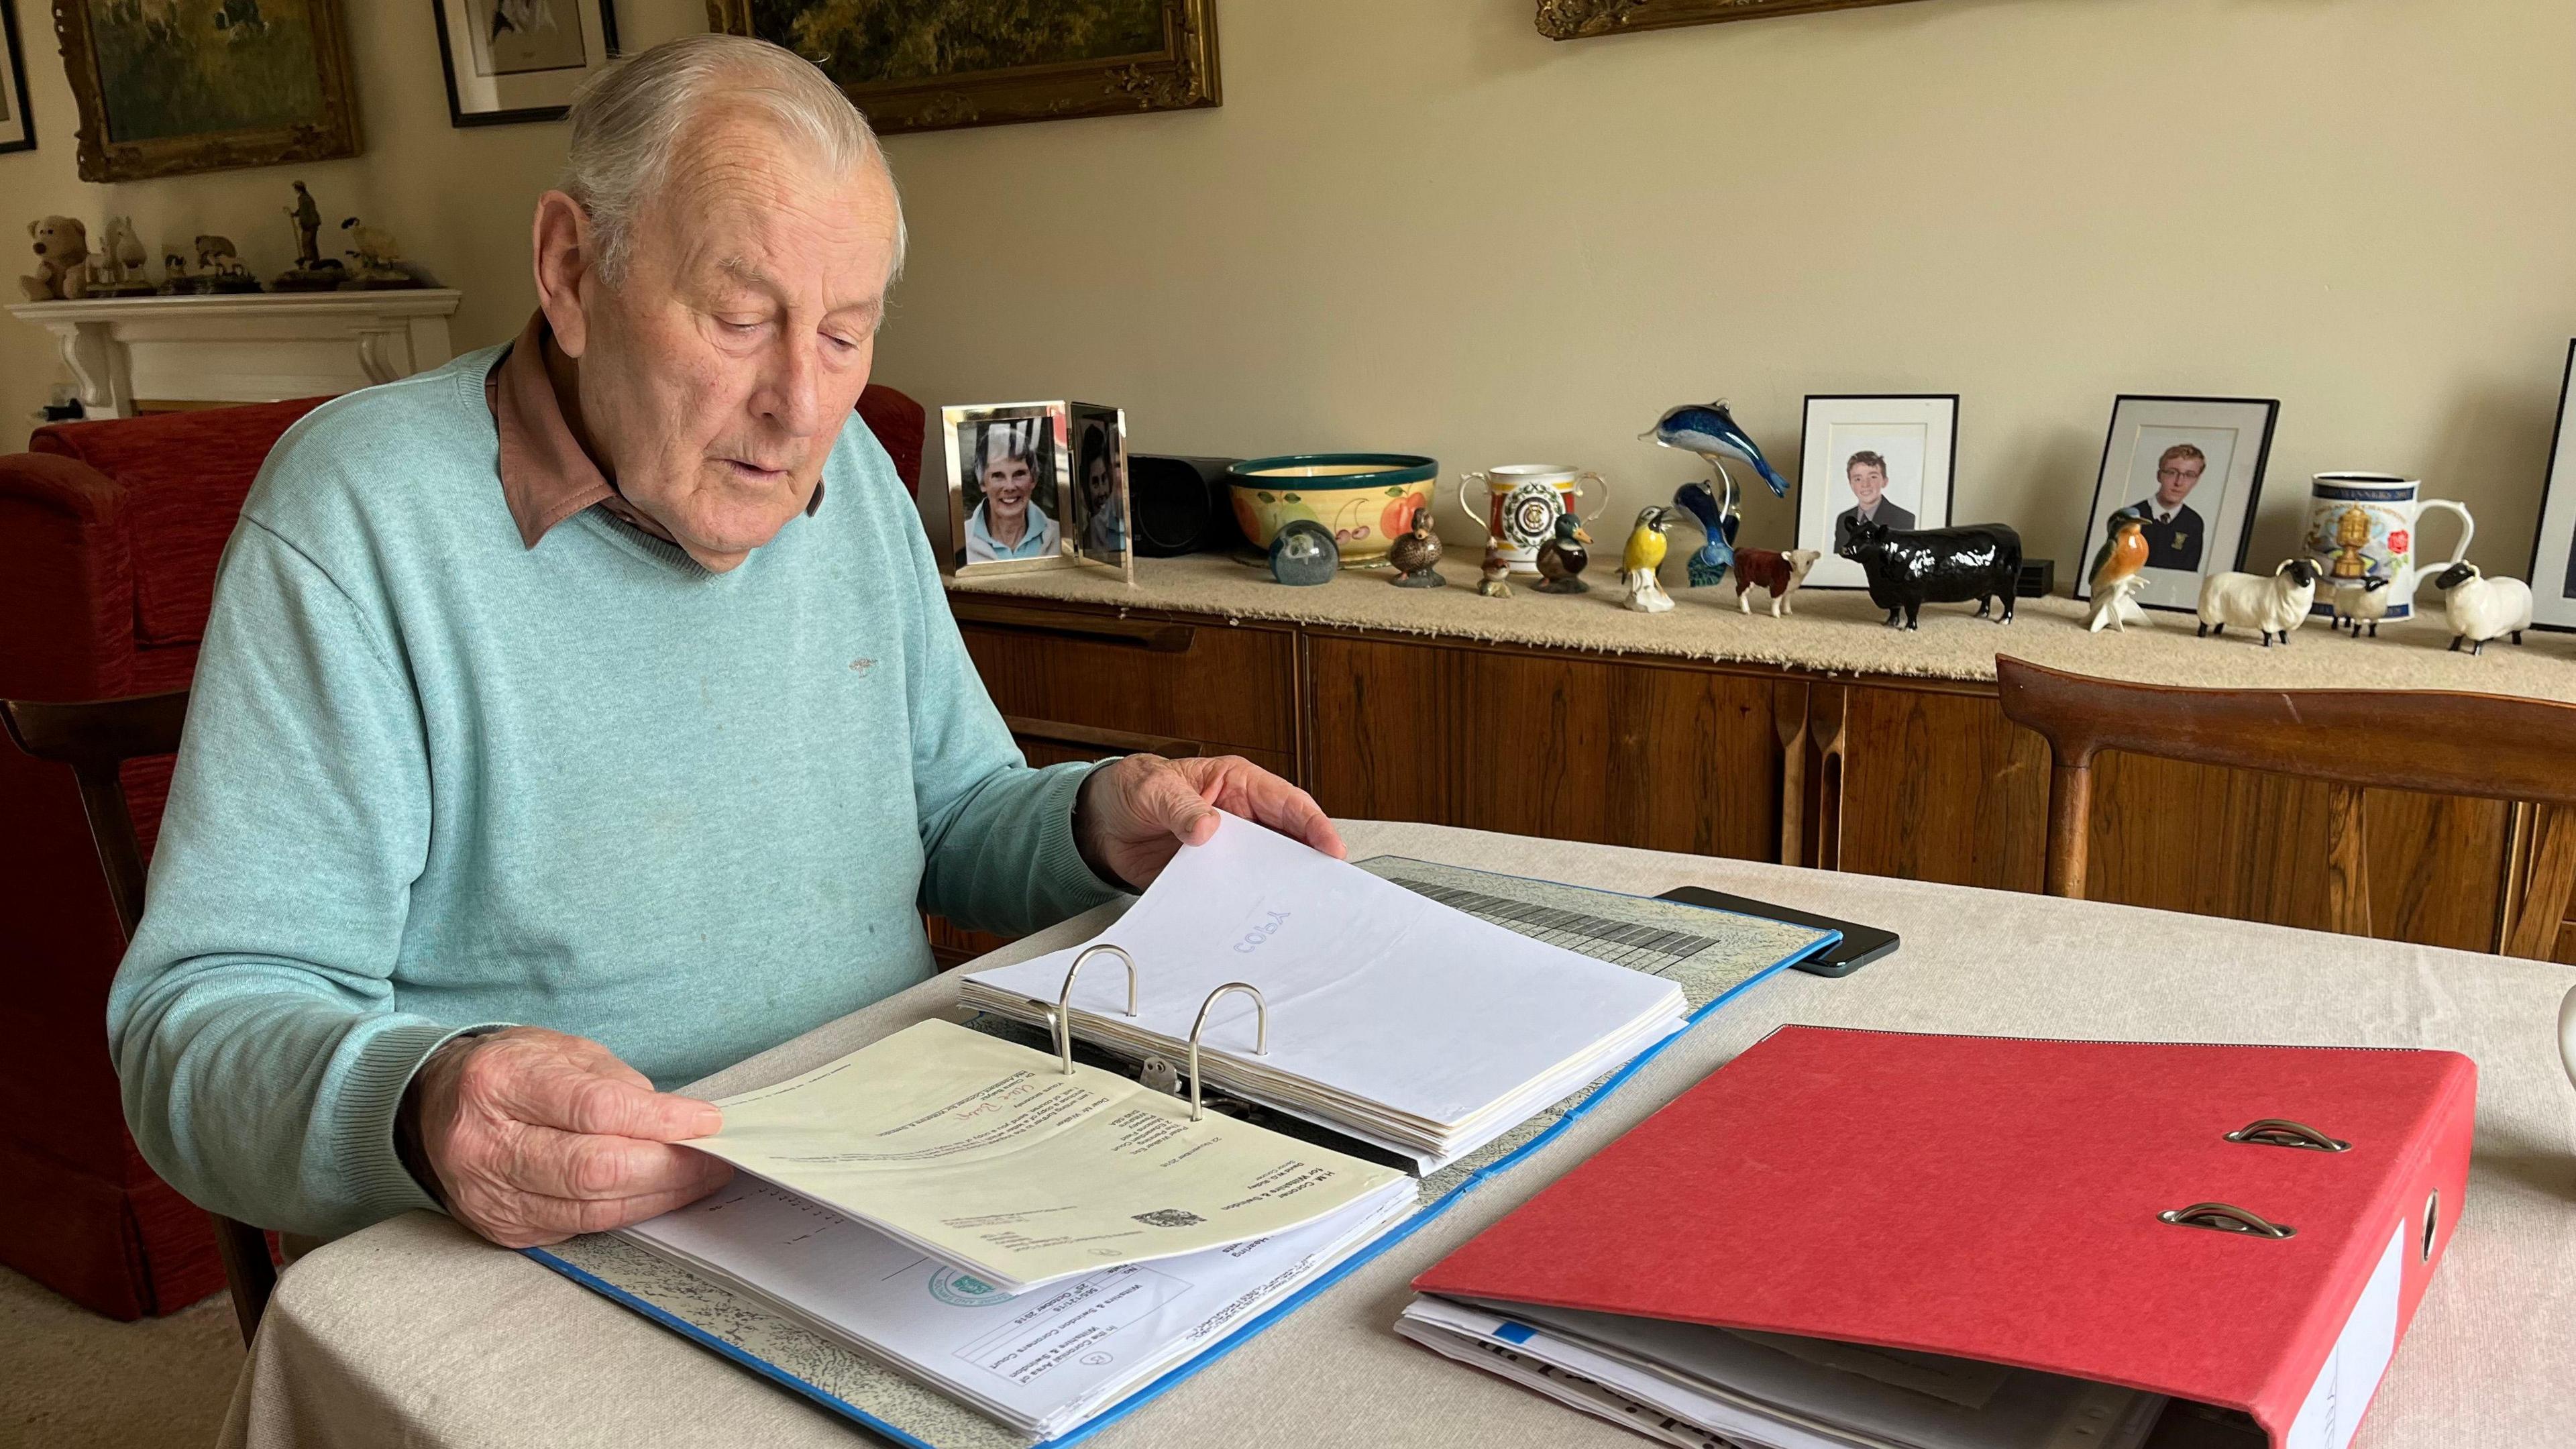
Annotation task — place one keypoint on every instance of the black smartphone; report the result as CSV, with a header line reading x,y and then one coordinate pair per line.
x,y
1859,946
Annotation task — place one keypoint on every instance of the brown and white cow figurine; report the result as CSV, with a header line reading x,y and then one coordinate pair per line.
x,y
1780,573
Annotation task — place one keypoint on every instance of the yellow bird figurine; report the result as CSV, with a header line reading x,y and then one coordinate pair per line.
x,y
1645,554
2117,576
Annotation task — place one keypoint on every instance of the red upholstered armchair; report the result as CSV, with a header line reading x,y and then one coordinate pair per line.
x,y
109,536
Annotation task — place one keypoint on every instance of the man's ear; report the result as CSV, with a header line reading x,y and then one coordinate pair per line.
x,y
564,262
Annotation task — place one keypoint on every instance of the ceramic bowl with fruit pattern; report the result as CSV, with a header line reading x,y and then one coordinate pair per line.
x,y
1367,499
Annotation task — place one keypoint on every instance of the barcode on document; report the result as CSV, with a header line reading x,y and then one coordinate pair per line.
x,y
1534,919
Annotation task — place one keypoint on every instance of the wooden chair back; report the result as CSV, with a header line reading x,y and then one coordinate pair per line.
x,y
95,739
2438,742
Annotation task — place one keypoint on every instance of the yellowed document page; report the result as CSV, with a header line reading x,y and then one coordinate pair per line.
x,y
988,1155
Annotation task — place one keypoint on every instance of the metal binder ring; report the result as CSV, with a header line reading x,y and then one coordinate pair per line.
x,y
1062,1021
2282,1132
1260,1038
2222,1217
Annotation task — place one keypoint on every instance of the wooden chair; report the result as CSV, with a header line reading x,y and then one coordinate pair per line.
x,y
2482,745
94,739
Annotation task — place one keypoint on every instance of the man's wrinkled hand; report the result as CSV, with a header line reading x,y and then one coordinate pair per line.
x,y
1134,814
535,1136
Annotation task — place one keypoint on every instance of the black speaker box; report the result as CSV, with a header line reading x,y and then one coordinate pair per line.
x,y
1180,505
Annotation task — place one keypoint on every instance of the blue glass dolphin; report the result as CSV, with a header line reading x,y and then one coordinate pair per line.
x,y
1709,565
1709,430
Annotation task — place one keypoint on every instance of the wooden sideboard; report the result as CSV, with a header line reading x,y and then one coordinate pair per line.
x,y
1903,776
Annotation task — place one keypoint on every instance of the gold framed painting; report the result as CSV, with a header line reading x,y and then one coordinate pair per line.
x,y
1577,19
927,65
173,86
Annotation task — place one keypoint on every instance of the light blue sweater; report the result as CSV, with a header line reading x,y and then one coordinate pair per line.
x,y
433,779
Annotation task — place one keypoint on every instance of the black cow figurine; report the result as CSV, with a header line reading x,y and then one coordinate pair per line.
x,y
1909,568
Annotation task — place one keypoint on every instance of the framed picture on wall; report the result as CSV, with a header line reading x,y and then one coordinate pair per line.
x,y
207,85
2553,550
17,128
2192,469
1887,458
1036,485
927,65
520,60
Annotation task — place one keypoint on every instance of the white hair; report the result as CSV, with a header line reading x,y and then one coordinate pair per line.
x,y
627,123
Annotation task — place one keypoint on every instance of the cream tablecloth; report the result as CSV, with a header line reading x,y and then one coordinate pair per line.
x,y
415,1333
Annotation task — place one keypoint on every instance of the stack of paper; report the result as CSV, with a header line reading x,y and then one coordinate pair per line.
x,y
1042,1362
1705,1388
1392,1018
995,1160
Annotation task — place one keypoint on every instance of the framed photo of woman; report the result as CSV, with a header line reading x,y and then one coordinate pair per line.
x,y
1036,485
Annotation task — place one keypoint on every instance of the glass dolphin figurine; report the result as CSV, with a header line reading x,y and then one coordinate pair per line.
x,y
1709,430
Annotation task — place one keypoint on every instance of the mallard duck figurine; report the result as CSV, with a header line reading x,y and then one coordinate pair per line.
x,y
1562,559
1416,555
1644,555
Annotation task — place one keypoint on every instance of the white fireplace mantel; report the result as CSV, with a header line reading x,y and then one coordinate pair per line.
x,y
145,353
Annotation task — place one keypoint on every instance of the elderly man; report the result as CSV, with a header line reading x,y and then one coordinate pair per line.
x,y
585,715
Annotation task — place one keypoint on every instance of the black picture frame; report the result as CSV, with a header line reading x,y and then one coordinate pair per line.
x,y
1950,474
17,76
2561,474
2083,583
459,118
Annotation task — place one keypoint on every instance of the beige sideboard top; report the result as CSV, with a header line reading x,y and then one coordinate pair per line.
x,y
1833,631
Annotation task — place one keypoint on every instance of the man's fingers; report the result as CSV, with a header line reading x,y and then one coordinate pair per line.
x,y
575,1100
547,1163
530,1221
1165,798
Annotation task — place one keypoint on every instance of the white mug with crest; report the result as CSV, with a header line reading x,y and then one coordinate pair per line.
x,y
2363,526
1514,534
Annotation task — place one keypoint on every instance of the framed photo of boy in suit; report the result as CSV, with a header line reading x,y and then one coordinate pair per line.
x,y
2553,551
2190,469
1888,459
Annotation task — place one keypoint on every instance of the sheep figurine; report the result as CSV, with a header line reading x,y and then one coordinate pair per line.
x,y
2274,605
2359,602
2482,608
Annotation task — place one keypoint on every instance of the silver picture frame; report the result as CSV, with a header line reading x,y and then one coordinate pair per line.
x,y
1065,461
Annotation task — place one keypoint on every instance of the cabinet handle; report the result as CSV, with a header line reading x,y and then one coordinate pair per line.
x,y
1160,638
1092,737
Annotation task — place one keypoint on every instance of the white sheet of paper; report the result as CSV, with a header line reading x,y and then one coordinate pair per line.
x,y
990,1156
1041,1361
1375,991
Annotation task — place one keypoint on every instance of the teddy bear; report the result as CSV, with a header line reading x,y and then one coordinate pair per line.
x,y
62,260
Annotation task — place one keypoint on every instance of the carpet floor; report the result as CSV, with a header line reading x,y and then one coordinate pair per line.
x,y
70,1379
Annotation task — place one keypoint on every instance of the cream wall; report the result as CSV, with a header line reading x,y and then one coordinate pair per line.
x,y
1418,225
458,199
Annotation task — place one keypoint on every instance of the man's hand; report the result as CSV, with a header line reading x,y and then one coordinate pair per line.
x,y
535,1136
1134,814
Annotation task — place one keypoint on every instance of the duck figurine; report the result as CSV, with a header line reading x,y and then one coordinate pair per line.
x,y
1416,555
1645,553
1562,559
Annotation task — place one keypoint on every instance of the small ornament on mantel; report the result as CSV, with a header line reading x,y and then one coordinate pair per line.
x,y
380,264
118,270
312,272
1562,559
1495,581
219,266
